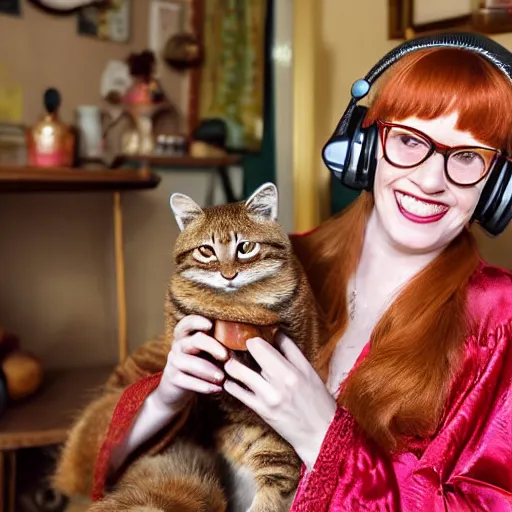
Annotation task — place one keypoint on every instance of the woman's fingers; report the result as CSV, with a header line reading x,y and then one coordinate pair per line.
x,y
292,352
201,342
246,397
190,383
253,380
198,367
191,324
267,357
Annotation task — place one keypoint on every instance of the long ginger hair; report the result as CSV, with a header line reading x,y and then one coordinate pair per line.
x,y
400,388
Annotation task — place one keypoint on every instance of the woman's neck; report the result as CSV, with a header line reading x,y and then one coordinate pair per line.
x,y
383,267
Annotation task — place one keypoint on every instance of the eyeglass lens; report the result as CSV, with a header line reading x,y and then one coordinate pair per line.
x,y
406,148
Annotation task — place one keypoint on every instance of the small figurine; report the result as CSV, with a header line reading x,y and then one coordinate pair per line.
x,y
143,100
145,88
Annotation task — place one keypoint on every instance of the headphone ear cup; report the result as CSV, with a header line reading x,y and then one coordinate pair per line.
x,y
494,209
368,161
347,153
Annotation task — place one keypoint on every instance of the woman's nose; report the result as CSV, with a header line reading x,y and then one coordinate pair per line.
x,y
430,176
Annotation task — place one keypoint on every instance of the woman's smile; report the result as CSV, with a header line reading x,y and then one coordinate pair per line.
x,y
420,210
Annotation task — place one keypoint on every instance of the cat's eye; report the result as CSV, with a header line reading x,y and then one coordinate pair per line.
x,y
206,251
247,249
205,254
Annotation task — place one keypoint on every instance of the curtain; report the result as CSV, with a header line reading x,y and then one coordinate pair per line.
x,y
232,78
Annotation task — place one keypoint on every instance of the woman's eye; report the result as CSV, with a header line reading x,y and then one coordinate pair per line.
x,y
246,247
467,157
206,251
409,141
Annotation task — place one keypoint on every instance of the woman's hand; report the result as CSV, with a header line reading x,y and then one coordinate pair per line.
x,y
289,395
187,373
184,374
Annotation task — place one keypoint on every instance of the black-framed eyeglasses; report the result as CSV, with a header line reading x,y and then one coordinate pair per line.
x,y
406,147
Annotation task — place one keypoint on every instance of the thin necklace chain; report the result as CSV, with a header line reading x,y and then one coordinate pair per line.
x,y
352,300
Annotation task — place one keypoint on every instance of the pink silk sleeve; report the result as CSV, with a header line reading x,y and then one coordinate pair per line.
x,y
466,467
347,466
351,475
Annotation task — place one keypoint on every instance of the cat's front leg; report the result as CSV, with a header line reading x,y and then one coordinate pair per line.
x,y
272,464
276,469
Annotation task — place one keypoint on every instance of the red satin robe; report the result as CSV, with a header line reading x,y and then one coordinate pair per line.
x,y
466,467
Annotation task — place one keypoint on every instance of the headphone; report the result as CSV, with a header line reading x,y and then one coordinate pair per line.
x,y
350,153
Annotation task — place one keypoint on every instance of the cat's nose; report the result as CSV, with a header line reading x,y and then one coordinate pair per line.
x,y
229,275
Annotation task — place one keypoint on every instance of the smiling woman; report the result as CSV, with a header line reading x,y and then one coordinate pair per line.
x,y
436,162
408,405
422,191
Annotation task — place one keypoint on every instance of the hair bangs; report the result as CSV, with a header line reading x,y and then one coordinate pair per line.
x,y
440,81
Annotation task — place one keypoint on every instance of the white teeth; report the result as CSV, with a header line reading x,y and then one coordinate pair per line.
x,y
417,207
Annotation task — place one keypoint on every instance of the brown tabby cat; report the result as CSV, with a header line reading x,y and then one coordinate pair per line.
x,y
233,263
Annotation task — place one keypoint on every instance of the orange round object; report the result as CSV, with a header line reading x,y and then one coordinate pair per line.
x,y
234,335
23,372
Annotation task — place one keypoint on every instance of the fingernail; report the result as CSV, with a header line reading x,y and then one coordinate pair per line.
x,y
222,355
219,377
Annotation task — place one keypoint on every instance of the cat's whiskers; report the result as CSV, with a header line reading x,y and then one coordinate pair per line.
x,y
246,277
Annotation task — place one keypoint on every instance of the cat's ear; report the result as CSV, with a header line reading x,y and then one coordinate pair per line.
x,y
185,209
264,201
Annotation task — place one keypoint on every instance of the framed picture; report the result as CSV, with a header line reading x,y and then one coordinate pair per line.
x,y
166,18
12,7
493,16
423,16
111,23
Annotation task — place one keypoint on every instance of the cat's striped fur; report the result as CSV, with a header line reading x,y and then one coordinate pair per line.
x,y
233,262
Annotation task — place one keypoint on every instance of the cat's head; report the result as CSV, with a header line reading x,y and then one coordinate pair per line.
x,y
230,246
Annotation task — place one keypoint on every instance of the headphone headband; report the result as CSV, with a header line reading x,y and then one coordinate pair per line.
x,y
350,153
488,48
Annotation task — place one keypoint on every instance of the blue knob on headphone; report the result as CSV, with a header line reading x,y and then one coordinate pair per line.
x,y
360,89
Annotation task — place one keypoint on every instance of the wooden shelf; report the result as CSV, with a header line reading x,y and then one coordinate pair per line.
x,y
54,179
180,161
45,418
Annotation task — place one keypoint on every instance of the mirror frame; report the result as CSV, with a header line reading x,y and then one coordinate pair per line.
x,y
40,4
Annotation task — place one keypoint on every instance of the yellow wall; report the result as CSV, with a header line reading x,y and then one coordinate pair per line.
x,y
350,38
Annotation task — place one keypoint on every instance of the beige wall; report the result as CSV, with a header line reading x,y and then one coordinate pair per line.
x,y
57,279
352,37
40,51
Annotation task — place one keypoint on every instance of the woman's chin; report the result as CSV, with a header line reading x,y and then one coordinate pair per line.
x,y
417,241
